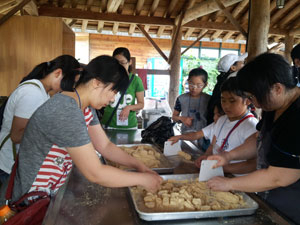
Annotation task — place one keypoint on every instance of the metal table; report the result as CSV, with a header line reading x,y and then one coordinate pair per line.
x,y
84,203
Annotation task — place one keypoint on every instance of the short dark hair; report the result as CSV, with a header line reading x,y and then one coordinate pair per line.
x,y
198,72
295,53
259,75
124,52
231,85
68,64
107,70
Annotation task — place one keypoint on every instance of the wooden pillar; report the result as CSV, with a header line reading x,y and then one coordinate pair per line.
x,y
289,42
258,27
175,70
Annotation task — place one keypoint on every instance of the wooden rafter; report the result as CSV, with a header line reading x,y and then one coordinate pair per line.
x,y
216,34
188,33
146,20
131,29
295,12
228,35
103,6
100,26
238,38
240,7
120,9
7,7
115,28
276,47
170,9
146,28
160,31
139,7
89,4
84,25
282,11
272,5
61,3
152,42
231,18
72,23
204,8
5,2
74,3
153,7
195,42
13,11
113,5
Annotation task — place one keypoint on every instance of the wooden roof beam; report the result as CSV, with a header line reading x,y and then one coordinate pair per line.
x,y
61,3
216,34
8,7
120,9
30,8
84,25
295,12
282,11
146,28
139,7
146,20
74,3
204,8
103,6
131,29
115,28
4,18
170,9
89,4
238,38
72,23
152,42
231,18
153,7
240,7
228,35
160,31
100,26
113,5
6,2
188,33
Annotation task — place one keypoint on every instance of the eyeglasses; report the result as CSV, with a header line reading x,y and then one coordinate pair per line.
x,y
196,86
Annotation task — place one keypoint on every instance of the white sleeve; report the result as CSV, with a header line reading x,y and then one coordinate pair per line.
x,y
248,128
208,131
28,100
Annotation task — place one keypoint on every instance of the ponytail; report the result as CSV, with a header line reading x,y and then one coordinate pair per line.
x,y
68,64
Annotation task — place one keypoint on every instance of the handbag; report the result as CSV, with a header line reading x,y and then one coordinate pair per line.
x,y
32,214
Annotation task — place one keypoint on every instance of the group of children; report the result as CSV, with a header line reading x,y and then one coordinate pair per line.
x,y
226,132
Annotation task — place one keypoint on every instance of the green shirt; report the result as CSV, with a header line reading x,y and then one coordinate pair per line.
x,y
135,86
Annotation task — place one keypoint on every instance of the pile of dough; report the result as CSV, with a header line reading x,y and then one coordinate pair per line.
x,y
144,153
184,155
177,196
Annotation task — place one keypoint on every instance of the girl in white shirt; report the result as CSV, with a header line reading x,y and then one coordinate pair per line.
x,y
53,76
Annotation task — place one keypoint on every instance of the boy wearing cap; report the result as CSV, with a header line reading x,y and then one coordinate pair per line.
x,y
228,66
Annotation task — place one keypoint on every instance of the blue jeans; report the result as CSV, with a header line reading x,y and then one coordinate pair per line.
x,y
3,176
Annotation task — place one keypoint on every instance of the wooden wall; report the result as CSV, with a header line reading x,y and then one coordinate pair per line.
x,y
26,41
139,47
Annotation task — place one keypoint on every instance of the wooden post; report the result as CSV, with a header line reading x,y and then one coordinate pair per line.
x,y
175,69
258,27
289,42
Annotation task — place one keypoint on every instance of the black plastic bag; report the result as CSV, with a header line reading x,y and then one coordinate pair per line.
x,y
159,131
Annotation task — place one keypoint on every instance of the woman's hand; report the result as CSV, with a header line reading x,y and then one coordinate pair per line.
x,y
222,159
151,182
219,184
124,113
199,160
141,167
187,121
174,139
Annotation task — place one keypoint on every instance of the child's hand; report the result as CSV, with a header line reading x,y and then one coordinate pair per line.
x,y
151,182
174,139
199,160
187,121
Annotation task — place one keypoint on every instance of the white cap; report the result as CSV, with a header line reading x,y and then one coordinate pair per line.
x,y
228,60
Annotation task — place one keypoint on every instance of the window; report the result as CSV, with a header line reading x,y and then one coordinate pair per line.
x,y
226,52
191,52
209,53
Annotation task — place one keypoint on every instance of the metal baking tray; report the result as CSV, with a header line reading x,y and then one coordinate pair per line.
x,y
249,208
166,166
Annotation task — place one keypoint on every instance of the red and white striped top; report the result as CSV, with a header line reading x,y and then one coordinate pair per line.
x,y
56,166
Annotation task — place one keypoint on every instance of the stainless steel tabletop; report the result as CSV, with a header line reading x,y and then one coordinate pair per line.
x,y
84,203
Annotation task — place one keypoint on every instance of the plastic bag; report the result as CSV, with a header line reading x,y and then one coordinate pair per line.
x,y
159,131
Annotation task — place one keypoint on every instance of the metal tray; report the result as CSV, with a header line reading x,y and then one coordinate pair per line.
x,y
249,209
166,166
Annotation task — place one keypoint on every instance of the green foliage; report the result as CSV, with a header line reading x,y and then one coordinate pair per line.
x,y
210,65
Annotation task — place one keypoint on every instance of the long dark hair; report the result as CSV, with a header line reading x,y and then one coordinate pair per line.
x,y
107,70
124,52
68,64
259,75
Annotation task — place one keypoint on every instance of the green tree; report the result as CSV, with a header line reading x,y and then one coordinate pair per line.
x,y
209,64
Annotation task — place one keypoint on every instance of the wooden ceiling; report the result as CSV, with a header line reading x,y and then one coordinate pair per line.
x,y
205,18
